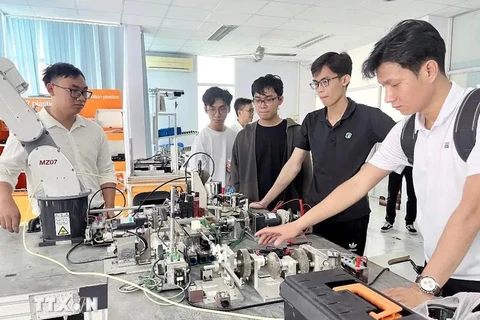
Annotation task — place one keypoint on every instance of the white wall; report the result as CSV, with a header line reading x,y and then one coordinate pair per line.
x,y
247,71
187,115
307,96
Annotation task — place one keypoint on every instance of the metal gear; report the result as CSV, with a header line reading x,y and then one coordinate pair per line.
x,y
244,262
274,266
303,263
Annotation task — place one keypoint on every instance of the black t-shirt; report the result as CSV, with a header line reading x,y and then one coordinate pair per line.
x,y
270,147
339,151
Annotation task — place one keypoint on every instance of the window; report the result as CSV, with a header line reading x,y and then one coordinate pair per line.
x,y
42,90
213,72
465,44
471,79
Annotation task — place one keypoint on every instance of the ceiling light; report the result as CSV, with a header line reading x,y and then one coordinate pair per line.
x,y
221,32
313,41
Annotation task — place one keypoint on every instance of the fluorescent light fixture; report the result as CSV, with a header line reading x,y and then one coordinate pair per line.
x,y
313,41
221,32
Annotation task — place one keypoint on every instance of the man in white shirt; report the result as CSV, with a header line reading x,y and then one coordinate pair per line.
x,y
244,111
82,141
216,139
409,62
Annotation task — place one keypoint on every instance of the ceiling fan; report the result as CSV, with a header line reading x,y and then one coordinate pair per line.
x,y
260,53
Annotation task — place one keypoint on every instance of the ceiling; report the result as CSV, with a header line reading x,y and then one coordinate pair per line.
x,y
182,26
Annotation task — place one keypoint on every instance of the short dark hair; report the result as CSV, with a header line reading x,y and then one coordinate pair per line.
x,y
268,81
240,103
410,43
340,63
61,69
214,93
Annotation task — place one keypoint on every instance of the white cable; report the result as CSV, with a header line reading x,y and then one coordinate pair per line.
x,y
97,274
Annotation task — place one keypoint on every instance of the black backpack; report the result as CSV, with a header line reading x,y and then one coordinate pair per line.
x,y
465,130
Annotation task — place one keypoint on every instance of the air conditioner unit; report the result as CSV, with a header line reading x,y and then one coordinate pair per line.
x,y
170,63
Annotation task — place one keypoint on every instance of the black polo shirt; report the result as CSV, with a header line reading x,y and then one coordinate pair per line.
x,y
340,151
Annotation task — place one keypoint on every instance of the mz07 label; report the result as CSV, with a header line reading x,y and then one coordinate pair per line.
x,y
47,162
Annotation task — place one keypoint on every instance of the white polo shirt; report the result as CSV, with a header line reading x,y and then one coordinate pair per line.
x,y
85,146
439,176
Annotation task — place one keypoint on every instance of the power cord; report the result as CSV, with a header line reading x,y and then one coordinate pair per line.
x,y
378,276
261,304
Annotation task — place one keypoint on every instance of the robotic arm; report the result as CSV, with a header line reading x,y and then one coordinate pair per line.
x,y
45,159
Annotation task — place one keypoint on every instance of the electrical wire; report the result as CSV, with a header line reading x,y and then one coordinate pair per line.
x,y
185,165
152,192
378,276
98,274
261,304
105,188
144,241
84,261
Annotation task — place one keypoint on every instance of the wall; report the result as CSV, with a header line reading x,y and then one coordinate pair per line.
x,y
247,71
307,96
296,80
187,114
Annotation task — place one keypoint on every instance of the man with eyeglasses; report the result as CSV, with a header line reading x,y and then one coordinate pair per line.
x,y
216,139
82,141
264,146
340,137
244,111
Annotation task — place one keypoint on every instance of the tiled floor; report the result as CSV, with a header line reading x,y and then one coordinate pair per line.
x,y
382,247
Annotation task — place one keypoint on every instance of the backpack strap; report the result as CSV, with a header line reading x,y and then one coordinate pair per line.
x,y
465,129
408,138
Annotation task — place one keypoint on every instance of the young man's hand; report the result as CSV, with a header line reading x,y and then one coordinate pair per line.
x,y
410,297
278,234
10,216
110,214
258,205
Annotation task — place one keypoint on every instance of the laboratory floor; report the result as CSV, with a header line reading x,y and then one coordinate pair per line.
x,y
382,247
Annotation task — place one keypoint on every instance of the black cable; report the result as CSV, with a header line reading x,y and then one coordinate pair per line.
x,y
378,276
85,261
145,244
261,304
185,165
104,188
152,192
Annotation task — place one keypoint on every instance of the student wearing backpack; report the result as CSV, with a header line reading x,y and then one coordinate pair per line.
x,y
409,62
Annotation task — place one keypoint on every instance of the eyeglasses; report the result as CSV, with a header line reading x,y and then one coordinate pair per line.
x,y
213,110
251,110
268,101
75,93
322,83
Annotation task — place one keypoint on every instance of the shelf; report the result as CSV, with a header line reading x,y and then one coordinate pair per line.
x,y
180,135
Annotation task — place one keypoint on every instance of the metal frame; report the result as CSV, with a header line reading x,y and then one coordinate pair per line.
x,y
449,44
174,153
